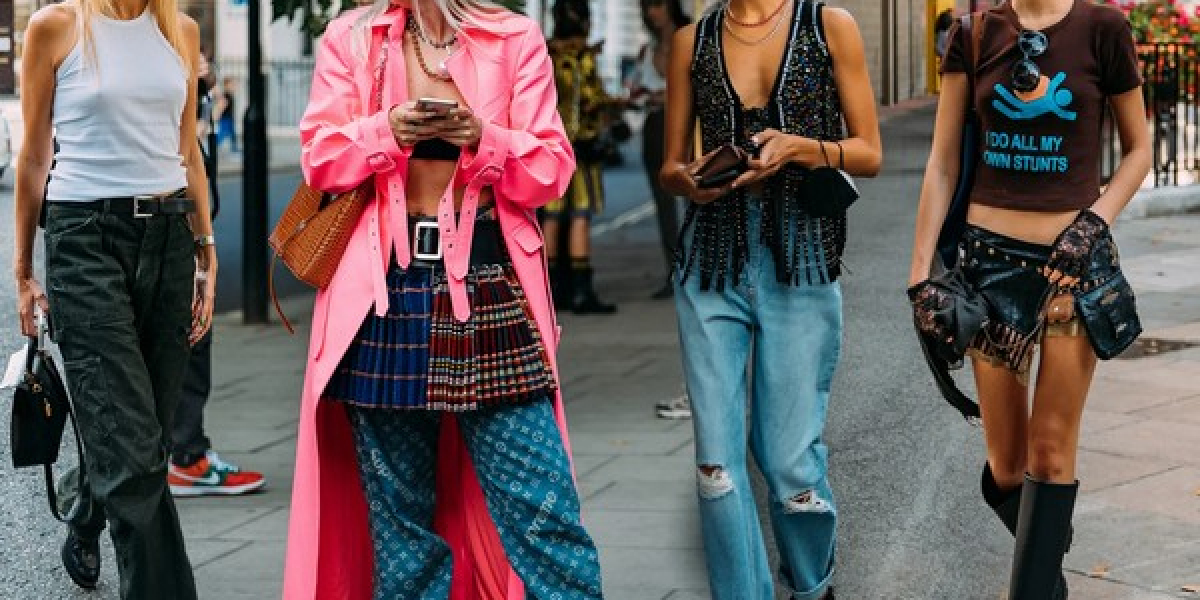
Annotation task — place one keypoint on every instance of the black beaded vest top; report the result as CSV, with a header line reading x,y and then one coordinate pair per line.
x,y
804,102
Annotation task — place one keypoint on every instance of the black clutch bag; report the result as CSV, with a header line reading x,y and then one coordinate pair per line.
x,y
828,191
1109,314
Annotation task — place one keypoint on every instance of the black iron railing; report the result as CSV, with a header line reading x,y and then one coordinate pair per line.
x,y
1172,75
288,83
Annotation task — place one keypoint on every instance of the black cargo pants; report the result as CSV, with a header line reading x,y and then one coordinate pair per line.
x,y
120,292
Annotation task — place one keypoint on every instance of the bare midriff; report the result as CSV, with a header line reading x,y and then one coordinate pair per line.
x,y
427,181
1036,227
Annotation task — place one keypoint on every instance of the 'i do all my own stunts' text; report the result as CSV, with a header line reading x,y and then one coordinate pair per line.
x,y
1025,152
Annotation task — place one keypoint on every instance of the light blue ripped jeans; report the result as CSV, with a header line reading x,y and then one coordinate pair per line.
x,y
790,338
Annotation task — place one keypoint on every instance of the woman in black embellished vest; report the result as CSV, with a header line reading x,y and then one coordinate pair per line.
x,y
756,271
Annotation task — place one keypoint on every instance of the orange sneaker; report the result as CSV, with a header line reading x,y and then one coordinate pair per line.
x,y
211,476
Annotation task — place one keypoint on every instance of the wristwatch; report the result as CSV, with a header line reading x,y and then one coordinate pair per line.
x,y
205,240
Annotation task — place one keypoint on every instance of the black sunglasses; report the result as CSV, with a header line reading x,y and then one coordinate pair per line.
x,y
1026,76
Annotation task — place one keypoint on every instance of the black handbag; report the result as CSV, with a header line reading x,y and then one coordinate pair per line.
x,y
828,191
955,222
41,409
1109,315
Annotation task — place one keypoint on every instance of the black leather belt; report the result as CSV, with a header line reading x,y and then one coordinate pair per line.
x,y
487,243
140,207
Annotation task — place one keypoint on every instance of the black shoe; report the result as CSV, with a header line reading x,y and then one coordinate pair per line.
x,y
583,295
666,291
81,559
1043,532
1007,506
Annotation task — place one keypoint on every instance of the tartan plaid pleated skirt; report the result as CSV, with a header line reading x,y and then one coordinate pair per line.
x,y
418,356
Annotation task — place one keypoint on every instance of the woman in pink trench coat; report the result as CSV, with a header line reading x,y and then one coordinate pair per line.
x,y
502,71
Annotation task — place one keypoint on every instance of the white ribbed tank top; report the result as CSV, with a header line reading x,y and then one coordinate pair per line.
x,y
116,117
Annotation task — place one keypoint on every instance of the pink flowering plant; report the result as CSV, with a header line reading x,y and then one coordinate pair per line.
x,y
1158,21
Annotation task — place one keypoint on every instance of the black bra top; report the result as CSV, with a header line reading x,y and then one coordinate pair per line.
x,y
436,149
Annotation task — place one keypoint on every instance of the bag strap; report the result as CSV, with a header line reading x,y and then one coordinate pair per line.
x,y
377,94
37,346
972,24
48,472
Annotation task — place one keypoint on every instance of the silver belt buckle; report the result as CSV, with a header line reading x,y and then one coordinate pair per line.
x,y
416,242
137,207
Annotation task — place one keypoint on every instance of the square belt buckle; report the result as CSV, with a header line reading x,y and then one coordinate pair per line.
x,y
420,254
137,207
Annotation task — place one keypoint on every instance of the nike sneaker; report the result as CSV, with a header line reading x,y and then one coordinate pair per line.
x,y
211,476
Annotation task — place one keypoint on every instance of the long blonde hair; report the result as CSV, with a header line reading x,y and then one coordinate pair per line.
x,y
457,13
166,14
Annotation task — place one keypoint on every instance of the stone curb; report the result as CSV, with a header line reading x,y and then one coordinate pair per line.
x,y
1163,202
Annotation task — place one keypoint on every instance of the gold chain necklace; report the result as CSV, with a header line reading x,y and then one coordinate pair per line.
x,y
775,29
420,31
440,74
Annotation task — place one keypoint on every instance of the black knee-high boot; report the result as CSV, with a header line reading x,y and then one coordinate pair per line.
x,y
560,283
1007,505
1043,535
583,294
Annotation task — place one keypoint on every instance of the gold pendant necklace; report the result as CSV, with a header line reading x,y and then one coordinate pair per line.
x,y
440,74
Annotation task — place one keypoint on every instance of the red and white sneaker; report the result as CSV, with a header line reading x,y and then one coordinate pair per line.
x,y
211,476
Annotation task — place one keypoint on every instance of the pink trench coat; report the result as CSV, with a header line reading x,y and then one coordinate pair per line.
x,y
506,77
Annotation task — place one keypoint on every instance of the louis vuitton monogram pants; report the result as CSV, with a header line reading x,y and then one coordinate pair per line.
x,y
524,472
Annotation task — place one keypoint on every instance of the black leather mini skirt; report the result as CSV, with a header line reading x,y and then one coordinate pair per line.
x,y
1007,272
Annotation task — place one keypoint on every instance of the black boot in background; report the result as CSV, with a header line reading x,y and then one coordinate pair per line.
x,y
1043,535
1007,505
560,284
583,294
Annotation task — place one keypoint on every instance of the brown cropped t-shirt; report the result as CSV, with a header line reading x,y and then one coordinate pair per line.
x,y
1041,151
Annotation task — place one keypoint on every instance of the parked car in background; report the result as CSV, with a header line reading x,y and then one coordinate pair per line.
x,y
5,145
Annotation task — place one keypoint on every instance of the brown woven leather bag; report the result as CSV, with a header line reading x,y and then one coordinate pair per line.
x,y
312,235
316,227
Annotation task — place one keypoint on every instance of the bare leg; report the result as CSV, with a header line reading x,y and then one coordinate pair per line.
x,y
1068,364
550,231
580,240
1004,403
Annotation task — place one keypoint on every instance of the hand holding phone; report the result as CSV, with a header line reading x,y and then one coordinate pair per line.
x,y
440,107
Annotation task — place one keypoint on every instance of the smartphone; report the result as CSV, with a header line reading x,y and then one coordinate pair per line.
x,y
439,106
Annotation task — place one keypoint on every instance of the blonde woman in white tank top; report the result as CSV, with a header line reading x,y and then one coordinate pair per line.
x,y
130,261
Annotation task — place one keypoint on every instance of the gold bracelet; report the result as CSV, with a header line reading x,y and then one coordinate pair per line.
x,y
205,240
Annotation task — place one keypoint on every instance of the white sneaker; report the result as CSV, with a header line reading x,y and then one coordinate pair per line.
x,y
678,407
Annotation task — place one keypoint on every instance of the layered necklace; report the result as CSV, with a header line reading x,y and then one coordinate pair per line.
x,y
417,35
776,14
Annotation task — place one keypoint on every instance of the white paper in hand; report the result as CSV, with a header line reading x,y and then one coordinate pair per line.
x,y
16,366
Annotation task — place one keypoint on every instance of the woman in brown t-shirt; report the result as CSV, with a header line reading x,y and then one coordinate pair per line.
x,y
1037,237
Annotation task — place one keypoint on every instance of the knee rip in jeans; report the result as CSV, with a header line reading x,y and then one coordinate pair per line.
x,y
713,481
805,502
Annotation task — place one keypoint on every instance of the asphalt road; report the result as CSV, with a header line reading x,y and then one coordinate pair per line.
x,y
904,467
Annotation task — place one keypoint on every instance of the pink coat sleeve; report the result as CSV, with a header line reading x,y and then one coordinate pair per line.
x,y
341,147
531,157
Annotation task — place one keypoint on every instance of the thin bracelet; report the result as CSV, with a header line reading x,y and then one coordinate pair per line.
x,y
205,240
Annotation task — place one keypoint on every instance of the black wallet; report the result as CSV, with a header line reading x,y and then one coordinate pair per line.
x,y
723,167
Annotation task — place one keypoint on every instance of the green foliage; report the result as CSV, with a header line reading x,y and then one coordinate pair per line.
x,y
313,15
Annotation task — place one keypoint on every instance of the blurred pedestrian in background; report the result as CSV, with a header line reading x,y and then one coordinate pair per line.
x,y
941,32
130,263
757,275
195,468
661,18
227,114
587,112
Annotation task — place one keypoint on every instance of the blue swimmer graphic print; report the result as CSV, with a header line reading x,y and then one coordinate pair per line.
x,y
1053,102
